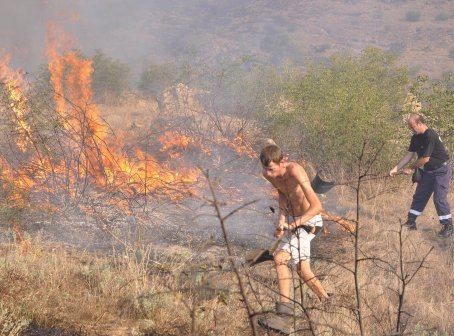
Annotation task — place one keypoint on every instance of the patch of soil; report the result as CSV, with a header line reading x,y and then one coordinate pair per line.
x,y
34,330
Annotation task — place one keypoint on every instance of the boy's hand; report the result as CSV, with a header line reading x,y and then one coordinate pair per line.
x,y
278,233
312,229
280,230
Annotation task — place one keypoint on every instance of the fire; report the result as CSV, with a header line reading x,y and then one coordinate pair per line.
x,y
240,146
55,42
170,142
174,143
13,83
71,155
102,156
13,197
79,151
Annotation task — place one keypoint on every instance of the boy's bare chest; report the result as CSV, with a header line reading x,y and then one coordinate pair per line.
x,y
288,186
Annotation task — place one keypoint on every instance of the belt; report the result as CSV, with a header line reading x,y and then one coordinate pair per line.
x,y
308,228
439,166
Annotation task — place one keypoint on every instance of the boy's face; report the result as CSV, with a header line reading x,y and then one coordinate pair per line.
x,y
273,170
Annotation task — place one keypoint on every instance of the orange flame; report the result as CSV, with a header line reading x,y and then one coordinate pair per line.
x,y
87,152
13,83
173,143
240,146
101,156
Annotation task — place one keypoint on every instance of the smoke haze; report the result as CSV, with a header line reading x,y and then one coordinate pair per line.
x,y
139,31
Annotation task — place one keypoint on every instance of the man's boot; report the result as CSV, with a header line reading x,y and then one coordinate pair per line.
x,y
410,224
446,230
284,308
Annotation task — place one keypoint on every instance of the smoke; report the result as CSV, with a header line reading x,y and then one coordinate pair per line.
x,y
133,32
22,26
139,31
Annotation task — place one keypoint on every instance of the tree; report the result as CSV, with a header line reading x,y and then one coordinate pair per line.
x,y
336,107
156,77
437,98
240,90
111,78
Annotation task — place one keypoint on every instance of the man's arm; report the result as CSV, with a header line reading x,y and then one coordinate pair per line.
x,y
420,162
402,163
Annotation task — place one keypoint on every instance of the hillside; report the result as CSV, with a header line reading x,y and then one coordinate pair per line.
x,y
420,31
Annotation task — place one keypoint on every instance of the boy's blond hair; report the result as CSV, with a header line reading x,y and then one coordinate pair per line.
x,y
271,153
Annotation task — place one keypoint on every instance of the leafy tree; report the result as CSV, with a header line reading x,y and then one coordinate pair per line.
x,y
437,98
413,16
335,108
239,89
189,69
451,53
111,78
156,77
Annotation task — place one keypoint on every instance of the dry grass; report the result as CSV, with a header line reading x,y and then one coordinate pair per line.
x,y
131,113
150,292
177,292
430,296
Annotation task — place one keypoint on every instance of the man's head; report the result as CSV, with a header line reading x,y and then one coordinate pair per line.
x,y
272,161
417,124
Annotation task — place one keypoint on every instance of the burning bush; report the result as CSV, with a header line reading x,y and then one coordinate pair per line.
x,y
57,152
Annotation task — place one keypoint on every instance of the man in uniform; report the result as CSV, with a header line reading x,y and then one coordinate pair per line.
x,y
436,174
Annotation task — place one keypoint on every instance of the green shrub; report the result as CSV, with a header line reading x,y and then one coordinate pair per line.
x,y
336,107
441,17
412,16
438,105
156,77
111,78
451,53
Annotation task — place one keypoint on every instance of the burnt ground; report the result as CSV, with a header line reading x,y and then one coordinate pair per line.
x,y
190,224
34,330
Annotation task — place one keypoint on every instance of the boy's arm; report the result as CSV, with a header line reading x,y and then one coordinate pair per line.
x,y
315,206
281,222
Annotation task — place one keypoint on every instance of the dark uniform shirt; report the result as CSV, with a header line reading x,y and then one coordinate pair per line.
x,y
429,144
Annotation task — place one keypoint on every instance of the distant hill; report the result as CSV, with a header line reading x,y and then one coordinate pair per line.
x,y
135,31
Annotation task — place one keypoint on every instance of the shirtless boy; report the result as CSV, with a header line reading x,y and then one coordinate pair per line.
x,y
299,221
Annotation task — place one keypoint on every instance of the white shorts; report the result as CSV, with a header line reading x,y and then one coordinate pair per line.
x,y
298,243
